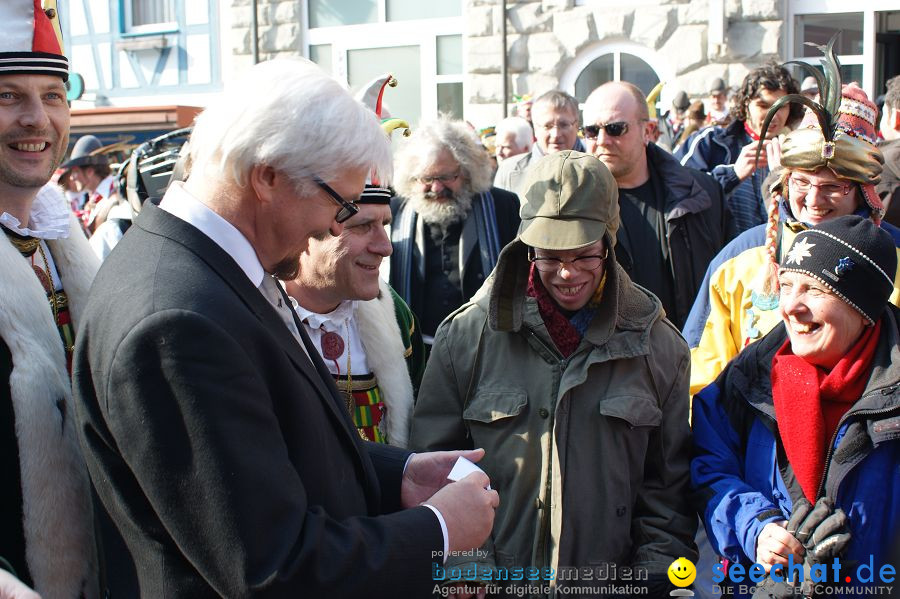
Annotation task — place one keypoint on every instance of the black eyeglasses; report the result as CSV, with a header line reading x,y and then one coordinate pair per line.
x,y
548,264
616,129
348,209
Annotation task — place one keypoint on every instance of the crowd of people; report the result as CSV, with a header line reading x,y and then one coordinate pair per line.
x,y
658,336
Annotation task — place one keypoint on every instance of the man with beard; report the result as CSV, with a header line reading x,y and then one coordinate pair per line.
x,y
220,450
46,268
729,153
449,223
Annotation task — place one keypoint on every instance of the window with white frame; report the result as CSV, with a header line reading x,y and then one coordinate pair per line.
x,y
359,40
148,16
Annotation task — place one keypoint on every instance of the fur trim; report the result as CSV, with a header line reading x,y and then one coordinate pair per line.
x,y
380,336
57,508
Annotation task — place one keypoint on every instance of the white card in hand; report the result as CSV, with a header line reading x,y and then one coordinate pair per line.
x,y
463,468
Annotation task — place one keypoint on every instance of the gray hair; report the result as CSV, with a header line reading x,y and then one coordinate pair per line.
x,y
427,141
520,127
892,97
557,100
290,115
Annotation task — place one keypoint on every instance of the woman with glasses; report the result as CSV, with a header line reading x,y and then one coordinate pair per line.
x,y
575,384
827,173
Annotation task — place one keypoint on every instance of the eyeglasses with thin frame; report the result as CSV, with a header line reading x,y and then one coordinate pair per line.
x,y
616,129
348,209
546,264
559,125
833,191
443,179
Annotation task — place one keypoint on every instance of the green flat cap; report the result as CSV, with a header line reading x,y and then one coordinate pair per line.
x,y
571,201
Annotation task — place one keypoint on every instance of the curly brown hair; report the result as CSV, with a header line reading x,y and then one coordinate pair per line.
x,y
771,76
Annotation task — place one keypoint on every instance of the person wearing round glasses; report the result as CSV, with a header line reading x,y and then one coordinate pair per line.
x,y
826,174
674,219
575,384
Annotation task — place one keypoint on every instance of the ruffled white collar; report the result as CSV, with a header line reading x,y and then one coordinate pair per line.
x,y
334,321
49,218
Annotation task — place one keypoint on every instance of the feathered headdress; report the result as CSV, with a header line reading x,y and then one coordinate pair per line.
x,y
837,132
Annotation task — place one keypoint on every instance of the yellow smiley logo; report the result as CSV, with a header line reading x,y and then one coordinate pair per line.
x,y
682,572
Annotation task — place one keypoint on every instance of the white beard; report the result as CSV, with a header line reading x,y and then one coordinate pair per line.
x,y
442,213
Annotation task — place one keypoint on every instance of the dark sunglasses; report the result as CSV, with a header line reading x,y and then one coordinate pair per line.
x,y
348,209
616,129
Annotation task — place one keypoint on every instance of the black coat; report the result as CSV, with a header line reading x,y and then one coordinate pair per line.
x,y
220,454
698,225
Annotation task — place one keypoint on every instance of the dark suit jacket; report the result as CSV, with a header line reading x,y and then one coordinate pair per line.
x,y
220,454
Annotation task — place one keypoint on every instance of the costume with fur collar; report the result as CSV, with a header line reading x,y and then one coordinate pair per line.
x,y
53,498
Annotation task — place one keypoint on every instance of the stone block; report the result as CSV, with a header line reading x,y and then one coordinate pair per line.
x,y
484,88
545,53
536,84
484,114
761,10
613,23
480,21
694,13
517,53
528,18
484,54
686,48
240,41
733,9
240,3
574,28
280,38
653,26
696,81
241,16
284,13
753,40
557,5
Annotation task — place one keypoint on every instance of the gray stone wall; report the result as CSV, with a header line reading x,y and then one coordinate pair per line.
x,y
545,38
279,26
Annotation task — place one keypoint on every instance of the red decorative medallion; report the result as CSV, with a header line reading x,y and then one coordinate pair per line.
x,y
43,278
332,345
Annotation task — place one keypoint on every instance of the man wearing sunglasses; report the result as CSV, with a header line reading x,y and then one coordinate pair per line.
x,y
574,382
449,223
674,220
221,452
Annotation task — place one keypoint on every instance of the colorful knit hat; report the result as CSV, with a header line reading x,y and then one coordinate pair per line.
x,y
838,133
32,41
852,257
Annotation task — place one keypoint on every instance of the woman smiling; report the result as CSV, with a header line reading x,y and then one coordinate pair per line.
x,y
810,412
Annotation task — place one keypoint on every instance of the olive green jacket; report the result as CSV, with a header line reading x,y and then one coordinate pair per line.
x,y
613,417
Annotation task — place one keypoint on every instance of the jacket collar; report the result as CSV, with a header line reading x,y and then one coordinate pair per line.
x,y
683,194
622,323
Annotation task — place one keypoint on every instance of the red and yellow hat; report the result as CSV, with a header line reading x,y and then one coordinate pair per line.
x,y
32,40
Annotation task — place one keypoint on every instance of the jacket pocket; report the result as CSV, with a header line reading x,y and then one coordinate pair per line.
x,y
635,410
491,406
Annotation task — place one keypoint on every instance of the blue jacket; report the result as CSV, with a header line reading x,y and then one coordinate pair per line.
x,y
741,480
714,150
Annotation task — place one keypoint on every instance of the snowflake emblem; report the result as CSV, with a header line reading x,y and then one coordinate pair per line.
x,y
799,252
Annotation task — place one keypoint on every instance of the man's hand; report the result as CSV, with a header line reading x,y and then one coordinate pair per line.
x,y
746,161
468,510
13,588
775,544
426,474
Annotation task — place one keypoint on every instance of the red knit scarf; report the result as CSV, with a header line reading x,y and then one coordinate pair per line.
x,y
809,403
753,135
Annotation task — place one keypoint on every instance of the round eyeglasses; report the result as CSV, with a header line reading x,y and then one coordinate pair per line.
x,y
547,264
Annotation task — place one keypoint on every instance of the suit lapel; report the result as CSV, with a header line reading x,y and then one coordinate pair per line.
x,y
159,222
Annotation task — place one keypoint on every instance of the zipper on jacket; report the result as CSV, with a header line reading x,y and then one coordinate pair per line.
x,y
841,422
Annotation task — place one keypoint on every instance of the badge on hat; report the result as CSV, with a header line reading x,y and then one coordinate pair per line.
x,y
31,39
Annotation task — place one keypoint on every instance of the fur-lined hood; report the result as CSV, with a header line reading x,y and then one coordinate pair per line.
x,y
57,508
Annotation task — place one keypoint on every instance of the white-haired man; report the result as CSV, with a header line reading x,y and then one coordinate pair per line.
x,y
449,223
217,442
46,269
514,137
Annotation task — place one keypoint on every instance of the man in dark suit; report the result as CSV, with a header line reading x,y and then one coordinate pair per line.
x,y
217,444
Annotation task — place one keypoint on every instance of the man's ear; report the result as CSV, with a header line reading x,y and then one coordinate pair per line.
x,y
264,180
649,131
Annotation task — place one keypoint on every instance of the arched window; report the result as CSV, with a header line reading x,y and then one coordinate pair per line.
x,y
613,61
